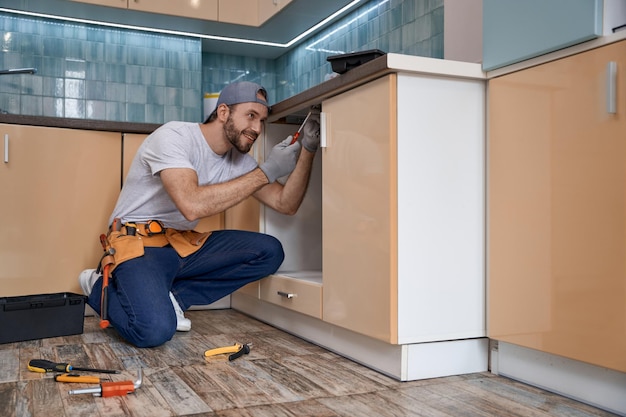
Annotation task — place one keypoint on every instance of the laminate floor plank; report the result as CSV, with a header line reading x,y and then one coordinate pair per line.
x,y
180,397
282,376
9,365
334,379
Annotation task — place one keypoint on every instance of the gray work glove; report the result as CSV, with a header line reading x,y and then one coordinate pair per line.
x,y
281,160
311,133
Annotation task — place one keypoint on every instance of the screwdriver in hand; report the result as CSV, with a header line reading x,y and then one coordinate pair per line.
x,y
297,134
42,365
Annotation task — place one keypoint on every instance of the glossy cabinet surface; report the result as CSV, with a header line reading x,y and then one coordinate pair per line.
x,y
58,189
360,209
557,207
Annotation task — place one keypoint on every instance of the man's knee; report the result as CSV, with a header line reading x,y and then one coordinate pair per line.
x,y
152,334
274,253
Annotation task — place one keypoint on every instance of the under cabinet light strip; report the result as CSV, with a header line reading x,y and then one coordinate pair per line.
x,y
190,34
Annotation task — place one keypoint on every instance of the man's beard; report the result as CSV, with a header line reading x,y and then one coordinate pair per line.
x,y
237,138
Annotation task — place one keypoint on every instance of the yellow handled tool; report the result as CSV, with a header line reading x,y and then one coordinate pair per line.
x,y
77,378
43,366
237,350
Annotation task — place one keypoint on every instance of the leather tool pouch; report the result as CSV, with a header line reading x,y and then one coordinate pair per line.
x,y
129,247
186,242
126,247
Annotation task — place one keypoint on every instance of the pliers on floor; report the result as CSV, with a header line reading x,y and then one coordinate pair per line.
x,y
237,350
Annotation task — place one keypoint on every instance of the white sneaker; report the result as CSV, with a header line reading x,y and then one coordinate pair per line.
x,y
87,279
183,324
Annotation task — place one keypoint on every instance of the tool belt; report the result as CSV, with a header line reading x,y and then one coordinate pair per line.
x,y
128,240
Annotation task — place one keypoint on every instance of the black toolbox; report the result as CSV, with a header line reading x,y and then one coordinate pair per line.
x,y
40,316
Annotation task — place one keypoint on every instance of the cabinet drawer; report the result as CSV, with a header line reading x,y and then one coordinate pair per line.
x,y
251,289
295,294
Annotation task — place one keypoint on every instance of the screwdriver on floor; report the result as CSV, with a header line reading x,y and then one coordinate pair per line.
x,y
42,365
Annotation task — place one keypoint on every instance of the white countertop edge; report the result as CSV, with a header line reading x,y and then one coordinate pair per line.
x,y
435,66
562,53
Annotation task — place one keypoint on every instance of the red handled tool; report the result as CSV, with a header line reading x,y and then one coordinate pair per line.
x,y
111,389
297,134
107,260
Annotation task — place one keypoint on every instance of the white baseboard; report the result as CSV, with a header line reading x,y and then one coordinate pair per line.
x,y
600,387
403,362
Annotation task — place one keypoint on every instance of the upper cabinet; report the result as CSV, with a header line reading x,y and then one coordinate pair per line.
x,y
516,30
251,13
110,3
241,12
199,9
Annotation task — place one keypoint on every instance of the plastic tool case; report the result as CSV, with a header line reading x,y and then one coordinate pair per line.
x,y
40,316
345,62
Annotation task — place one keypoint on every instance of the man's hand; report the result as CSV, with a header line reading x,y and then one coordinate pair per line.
x,y
311,133
281,160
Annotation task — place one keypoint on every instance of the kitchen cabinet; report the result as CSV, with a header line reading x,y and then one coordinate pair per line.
x,y
110,3
251,13
389,242
58,189
241,12
517,30
198,9
557,199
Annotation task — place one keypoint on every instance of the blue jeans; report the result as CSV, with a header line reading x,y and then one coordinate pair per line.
x,y
139,306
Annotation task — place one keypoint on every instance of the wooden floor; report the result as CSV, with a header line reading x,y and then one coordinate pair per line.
x,y
282,376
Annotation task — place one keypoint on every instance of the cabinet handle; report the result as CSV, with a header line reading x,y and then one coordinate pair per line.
x,y
323,125
6,148
611,87
287,295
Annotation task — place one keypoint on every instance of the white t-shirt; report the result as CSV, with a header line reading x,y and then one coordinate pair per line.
x,y
173,145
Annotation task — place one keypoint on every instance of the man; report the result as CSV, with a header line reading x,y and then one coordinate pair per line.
x,y
183,172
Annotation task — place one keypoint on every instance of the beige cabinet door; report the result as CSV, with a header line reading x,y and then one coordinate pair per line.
x,y
240,12
111,3
359,210
557,208
132,141
198,9
268,8
58,189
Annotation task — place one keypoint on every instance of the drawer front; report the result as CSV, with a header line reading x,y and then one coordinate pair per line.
x,y
295,294
251,289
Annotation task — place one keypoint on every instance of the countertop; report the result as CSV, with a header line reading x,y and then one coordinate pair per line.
x,y
83,124
295,105
386,64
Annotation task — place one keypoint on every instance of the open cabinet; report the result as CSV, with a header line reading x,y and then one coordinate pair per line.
x,y
386,254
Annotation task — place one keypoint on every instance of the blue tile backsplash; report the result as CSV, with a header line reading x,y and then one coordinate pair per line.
x,y
95,72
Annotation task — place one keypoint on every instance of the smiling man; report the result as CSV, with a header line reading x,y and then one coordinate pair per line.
x,y
182,173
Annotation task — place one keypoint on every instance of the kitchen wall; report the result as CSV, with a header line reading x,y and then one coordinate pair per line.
x,y
94,72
